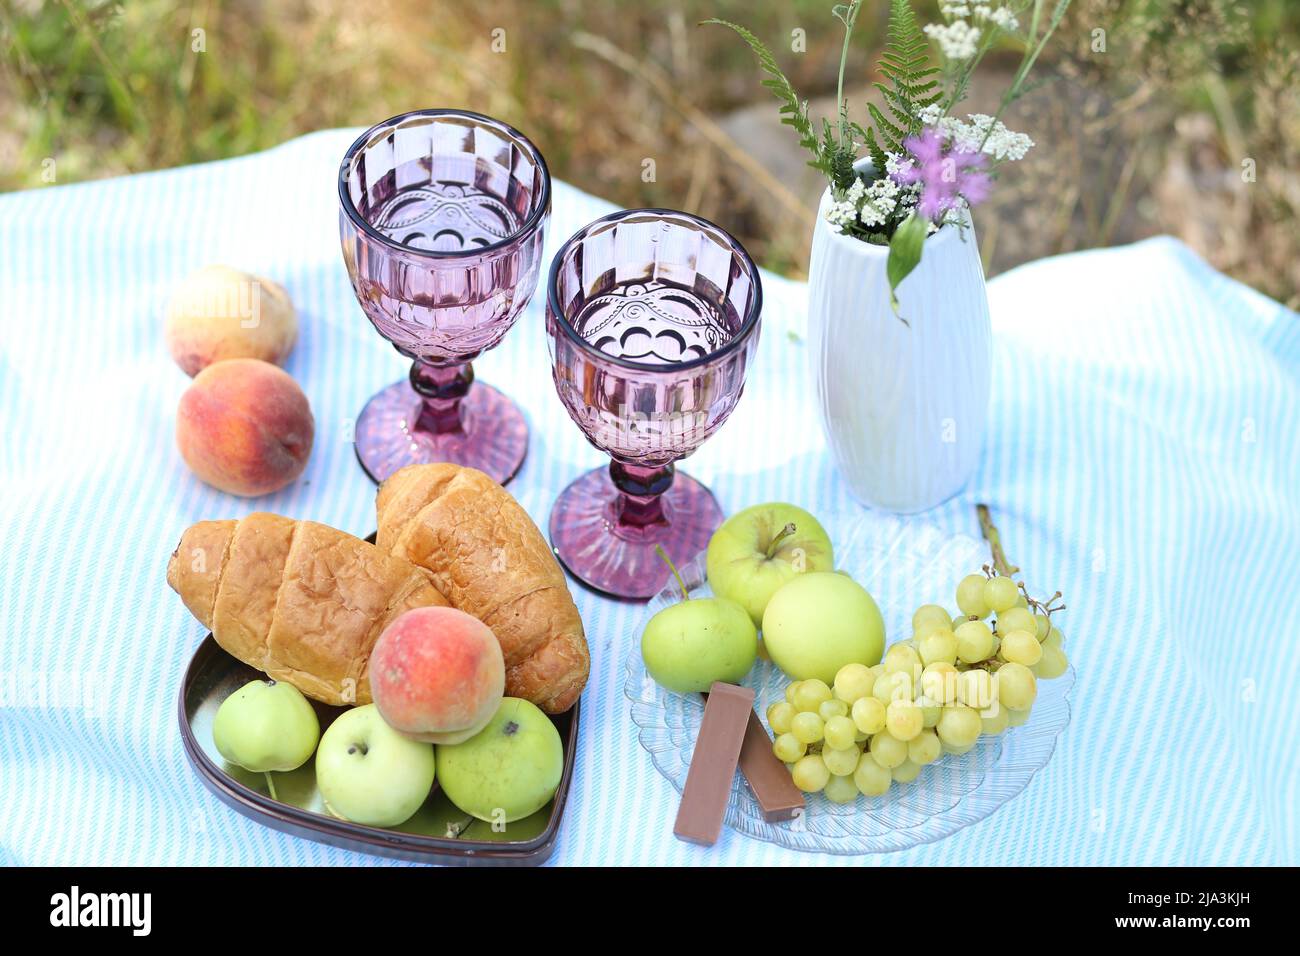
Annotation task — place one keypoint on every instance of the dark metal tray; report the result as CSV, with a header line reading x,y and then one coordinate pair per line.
x,y
213,675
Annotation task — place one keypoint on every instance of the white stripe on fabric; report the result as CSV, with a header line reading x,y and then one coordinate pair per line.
x,y
1142,456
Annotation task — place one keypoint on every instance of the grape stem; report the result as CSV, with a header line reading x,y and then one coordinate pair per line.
x,y
659,550
1004,567
990,532
1046,608
781,535
270,784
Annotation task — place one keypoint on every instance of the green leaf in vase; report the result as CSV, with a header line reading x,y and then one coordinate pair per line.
x,y
904,254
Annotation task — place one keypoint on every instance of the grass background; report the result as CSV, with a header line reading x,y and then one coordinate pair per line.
x,y
1151,135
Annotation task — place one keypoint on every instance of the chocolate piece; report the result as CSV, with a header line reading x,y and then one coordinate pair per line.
x,y
713,764
768,778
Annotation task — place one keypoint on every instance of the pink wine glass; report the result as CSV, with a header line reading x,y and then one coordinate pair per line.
x,y
652,317
442,217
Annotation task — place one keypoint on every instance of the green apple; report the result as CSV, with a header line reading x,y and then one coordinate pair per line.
x,y
509,769
369,773
821,621
760,549
689,645
266,725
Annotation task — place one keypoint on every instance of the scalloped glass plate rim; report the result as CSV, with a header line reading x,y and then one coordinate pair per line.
x,y
999,785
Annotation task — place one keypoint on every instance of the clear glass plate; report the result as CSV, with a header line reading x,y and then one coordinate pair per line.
x,y
903,563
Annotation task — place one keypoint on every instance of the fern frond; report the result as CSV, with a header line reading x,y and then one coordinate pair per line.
x,y
878,157
836,159
907,89
794,111
889,135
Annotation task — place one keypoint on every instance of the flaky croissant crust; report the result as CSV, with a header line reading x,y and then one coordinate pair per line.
x,y
485,554
299,601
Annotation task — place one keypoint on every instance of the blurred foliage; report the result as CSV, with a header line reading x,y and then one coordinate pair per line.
x,y
1186,91
1200,116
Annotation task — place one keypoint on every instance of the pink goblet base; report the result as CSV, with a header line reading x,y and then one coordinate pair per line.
x,y
492,435
607,539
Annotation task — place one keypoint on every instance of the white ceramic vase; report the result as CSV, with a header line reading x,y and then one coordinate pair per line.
x,y
904,403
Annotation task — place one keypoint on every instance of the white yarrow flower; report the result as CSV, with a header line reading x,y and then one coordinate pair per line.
x,y
1003,18
883,188
895,164
930,115
957,40
981,130
871,216
841,214
999,142
880,201
965,138
1005,144
871,203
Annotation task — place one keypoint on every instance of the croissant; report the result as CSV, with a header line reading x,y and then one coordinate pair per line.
x,y
486,555
298,600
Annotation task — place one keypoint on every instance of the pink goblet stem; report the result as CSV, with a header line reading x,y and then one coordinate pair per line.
x,y
441,388
436,416
607,527
640,501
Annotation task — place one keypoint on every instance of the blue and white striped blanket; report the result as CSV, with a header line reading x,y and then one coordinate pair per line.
x,y
1143,455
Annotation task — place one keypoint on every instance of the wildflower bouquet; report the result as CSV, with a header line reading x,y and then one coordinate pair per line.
x,y
927,165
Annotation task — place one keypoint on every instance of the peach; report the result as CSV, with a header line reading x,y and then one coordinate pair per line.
x,y
221,313
245,426
437,674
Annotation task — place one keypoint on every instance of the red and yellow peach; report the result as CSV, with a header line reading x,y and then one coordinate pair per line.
x,y
437,674
221,313
245,426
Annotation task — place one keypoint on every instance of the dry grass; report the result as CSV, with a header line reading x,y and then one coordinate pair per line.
x,y
1148,137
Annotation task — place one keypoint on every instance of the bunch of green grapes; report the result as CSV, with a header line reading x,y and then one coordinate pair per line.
x,y
954,679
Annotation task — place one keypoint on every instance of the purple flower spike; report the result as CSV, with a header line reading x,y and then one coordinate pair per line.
x,y
945,173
